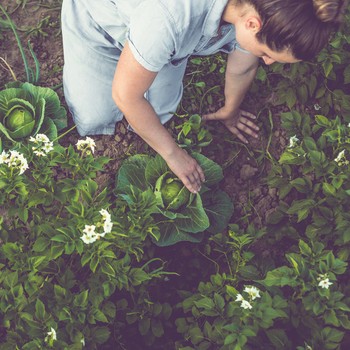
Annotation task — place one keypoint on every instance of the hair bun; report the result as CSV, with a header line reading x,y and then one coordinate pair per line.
x,y
329,10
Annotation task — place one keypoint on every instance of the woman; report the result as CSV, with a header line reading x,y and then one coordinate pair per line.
x,y
128,57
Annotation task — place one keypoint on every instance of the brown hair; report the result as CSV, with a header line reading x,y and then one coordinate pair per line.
x,y
302,26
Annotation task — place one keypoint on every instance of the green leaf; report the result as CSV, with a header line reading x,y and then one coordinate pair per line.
x,y
219,301
212,171
157,328
282,276
100,334
205,303
322,120
108,269
328,189
229,339
132,172
40,310
81,299
219,209
138,276
279,338
330,318
291,98
60,238
304,248
41,244
144,325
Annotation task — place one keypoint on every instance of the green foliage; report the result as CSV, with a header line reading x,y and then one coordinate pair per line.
x,y
26,110
63,256
192,134
180,215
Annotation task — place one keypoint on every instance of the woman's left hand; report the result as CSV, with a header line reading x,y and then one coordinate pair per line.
x,y
238,123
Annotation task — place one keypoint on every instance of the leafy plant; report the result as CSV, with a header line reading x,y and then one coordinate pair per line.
x,y
64,253
193,135
180,215
26,110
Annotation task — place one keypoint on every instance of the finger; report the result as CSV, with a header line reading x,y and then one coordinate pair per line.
x,y
246,129
248,122
210,116
195,181
238,134
201,174
248,114
189,185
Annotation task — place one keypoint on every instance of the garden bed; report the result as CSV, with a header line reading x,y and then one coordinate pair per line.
x,y
287,233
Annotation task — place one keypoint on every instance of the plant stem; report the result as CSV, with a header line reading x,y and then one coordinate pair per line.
x,y
65,133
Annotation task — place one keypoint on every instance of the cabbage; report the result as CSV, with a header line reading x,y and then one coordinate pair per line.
x,y
19,122
26,110
180,215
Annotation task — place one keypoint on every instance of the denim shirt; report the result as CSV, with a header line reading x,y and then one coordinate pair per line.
x,y
165,31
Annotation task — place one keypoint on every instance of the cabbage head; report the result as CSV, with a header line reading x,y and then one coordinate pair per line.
x,y
179,214
26,110
171,192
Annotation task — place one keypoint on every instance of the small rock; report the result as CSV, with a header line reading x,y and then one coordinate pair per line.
x,y
272,192
247,172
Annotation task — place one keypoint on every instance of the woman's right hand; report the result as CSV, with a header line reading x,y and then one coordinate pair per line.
x,y
186,169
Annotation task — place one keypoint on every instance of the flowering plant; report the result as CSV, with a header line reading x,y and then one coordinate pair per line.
x,y
62,253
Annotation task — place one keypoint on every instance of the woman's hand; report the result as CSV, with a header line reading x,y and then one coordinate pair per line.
x,y
186,169
237,122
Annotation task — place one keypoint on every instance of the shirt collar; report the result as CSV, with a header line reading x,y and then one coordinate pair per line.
x,y
213,18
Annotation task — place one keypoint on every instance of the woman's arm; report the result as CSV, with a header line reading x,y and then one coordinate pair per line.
x,y
130,83
240,72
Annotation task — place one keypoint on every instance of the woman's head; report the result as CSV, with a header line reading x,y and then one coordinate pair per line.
x,y
301,26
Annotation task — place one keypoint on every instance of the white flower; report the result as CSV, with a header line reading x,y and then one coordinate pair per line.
x,y
107,226
252,291
33,139
51,335
15,160
325,283
340,156
246,305
42,138
80,144
293,141
239,297
105,215
48,147
87,239
89,229
3,157
317,107
40,153
23,167
88,143
91,144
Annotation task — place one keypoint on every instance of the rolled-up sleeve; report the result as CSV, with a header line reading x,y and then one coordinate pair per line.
x,y
152,36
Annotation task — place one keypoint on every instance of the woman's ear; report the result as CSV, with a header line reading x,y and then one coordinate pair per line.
x,y
253,23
